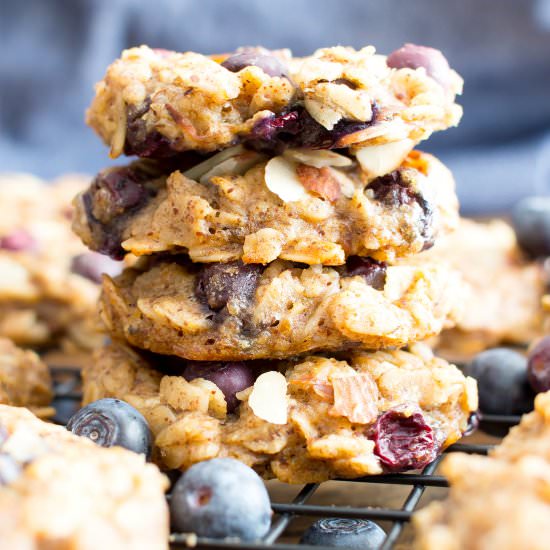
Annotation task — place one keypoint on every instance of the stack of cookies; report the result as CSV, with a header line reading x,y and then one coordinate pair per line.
x,y
274,312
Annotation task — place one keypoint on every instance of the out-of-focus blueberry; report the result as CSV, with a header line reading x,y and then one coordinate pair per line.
x,y
531,221
92,265
221,498
360,534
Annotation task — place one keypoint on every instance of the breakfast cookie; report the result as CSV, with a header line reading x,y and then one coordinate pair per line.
x,y
24,379
49,282
302,420
502,501
60,491
502,304
236,311
309,206
159,103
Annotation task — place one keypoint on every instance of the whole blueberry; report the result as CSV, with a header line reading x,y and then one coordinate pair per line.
x,y
360,534
501,375
257,57
110,422
221,498
538,365
231,378
531,221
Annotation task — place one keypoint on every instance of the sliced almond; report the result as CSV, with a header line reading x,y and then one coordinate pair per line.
x,y
281,179
323,114
268,398
234,166
202,168
356,398
319,158
347,187
378,160
319,181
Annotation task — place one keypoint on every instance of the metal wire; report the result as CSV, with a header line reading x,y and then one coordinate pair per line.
x,y
67,387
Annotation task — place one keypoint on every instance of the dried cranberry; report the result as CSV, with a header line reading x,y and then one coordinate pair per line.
x,y
231,378
220,283
17,241
372,271
538,366
403,442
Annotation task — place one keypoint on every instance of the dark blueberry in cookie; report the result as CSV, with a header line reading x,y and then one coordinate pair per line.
x,y
109,422
538,366
403,441
17,241
218,284
413,57
501,375
473,423
531,221
360,534
10,469
92,265
258,57
231,378
221,498
372,271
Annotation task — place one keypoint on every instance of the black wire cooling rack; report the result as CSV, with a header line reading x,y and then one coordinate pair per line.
x,y
67,399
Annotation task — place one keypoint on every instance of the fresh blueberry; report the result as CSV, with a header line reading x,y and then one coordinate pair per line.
x,y
501,375
360,534
221,498
372,271
92,265
538,366
231,378
258,57
531,221
109,422
403,441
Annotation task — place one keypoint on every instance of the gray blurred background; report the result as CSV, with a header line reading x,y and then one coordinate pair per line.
x,y
52,52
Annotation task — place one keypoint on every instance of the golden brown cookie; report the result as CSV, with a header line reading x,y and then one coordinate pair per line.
x,y
309,206
238,311
360,414
61,491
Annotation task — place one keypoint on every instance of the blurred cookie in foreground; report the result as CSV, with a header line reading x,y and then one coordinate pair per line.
x,y
24,379
503,304
501,501
300,420
61,491
49,282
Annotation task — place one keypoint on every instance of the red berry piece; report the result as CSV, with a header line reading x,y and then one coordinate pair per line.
x,y
538,366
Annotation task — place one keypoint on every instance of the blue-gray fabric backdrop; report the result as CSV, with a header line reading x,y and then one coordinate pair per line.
x,y
52,51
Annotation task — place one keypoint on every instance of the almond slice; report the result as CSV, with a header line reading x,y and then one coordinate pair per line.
x,y
281,179
379,160
268,398
355,397
198,171
319,181
319,158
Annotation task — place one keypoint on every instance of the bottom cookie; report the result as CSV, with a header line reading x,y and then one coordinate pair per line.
x,y
24,379
60,491
501,501
359,414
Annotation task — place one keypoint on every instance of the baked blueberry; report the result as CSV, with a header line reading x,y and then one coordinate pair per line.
x,y
531,221
221,498
501,375
538,365
92,265
110,422
360,534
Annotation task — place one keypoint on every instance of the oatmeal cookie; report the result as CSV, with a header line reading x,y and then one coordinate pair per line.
x,y
48,280
502,501
359,414
314,207
238,311
24,379
159,103
504,289
61,491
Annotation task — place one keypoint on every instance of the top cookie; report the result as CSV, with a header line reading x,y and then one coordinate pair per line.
x,y
158,103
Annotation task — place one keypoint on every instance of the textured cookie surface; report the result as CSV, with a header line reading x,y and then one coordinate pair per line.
x,y
157,103
502,303
48,280
501,501
314,207
362,414
24,379
238,311
61,491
